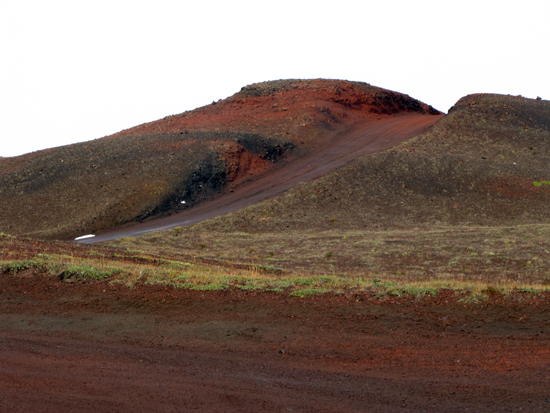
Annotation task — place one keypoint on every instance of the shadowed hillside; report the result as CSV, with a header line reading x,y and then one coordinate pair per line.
x,y
147,171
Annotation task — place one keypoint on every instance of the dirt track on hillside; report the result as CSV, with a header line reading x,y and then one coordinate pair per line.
x,y
105,348
372,136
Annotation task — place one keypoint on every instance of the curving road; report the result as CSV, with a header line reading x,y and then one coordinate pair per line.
x,y
369,137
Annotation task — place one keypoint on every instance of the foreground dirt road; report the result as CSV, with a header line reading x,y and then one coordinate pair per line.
x,y
367,137
96,347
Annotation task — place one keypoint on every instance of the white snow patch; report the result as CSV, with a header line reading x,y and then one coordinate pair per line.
x,y
84,237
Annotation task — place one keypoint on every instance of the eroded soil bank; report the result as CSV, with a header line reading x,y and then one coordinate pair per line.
x,y
100,347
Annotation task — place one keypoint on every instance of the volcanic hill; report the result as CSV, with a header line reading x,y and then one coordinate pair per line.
x,y
172,164
485,163
465,200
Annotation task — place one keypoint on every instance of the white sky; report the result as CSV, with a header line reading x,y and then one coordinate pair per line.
x,y
72,71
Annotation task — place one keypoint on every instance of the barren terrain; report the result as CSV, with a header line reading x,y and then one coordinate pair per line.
x,y
398,259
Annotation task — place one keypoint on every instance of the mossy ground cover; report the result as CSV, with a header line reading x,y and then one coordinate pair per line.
x,y
482,254
169,267
395,261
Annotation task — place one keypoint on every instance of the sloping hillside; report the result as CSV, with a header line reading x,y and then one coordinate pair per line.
x,y
485,163
147,171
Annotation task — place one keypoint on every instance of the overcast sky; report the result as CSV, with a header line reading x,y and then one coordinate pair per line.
x,y
72,71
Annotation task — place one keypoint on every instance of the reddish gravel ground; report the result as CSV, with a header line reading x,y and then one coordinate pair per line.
x,y
103,348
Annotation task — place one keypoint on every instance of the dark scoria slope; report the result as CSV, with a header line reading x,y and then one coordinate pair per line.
x,y
484,163
148,170
101,184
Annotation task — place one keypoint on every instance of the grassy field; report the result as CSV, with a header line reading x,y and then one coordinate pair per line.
x,y
475,262
491,255
503,260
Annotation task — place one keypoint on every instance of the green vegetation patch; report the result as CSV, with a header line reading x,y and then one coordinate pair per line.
x,y
412,290
82,272
476,262
210,287
308,291
14,267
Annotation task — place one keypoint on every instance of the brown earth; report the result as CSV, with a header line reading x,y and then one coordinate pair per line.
x,y
99,347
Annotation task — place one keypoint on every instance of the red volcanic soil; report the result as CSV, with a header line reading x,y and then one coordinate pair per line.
x,y
104,348
145,172
300,111
373,134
